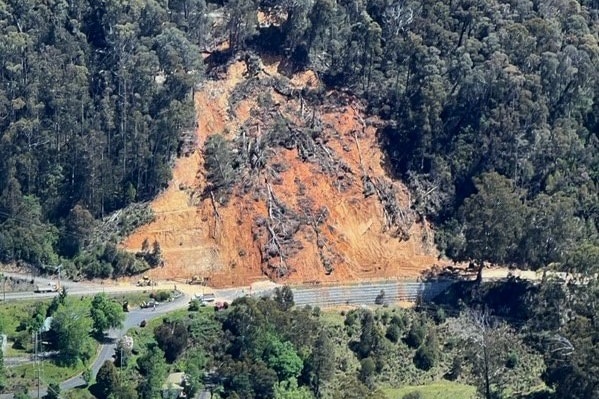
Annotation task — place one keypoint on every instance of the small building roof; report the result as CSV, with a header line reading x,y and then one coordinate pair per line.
x,y
47,324
174,381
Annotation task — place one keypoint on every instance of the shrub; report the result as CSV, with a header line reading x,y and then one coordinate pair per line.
x,y
194,305
399,321
22,340
380,298
351,318
425,358
367,370
385,317
161,296
439,316
456,369
512,360
416,335
412,395
393,333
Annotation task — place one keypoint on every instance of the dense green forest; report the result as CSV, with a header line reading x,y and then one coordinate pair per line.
x,y
95,100
491,109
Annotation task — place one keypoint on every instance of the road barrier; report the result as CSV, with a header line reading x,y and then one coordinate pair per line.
x,y
367,293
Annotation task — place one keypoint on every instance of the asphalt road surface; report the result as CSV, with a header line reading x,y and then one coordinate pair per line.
x,y
133,319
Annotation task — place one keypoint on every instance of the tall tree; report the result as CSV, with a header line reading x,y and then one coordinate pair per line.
x,y
493,221
71,326
106,313
242,22
284,298
321,363
220,165
153,368
283,359
172,338
107,380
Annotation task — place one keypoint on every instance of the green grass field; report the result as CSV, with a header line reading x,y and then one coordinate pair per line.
x,y
26,375
11,314
437,390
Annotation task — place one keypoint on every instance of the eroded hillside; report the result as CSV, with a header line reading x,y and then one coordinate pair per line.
x,y
309,200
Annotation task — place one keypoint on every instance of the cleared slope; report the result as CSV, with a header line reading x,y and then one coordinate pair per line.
x,y
343,219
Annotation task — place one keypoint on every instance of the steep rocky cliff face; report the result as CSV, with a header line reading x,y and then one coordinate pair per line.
x,y
287,182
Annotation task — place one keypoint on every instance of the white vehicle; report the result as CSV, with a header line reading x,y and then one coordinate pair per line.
x,y
204,298
51,287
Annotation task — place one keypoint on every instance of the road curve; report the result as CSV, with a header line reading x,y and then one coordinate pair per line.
x,y
133,319
106,350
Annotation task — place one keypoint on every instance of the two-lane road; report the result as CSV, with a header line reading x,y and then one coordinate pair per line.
x,y
133,319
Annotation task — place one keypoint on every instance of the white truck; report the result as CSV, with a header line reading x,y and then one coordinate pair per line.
x,y
51,287
205,298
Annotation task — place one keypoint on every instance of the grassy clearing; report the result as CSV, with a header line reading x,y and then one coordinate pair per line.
x,y
12,313
77,393
332,317
134,299
438,390
26,375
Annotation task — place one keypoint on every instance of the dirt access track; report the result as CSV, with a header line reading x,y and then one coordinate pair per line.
x,y
319,210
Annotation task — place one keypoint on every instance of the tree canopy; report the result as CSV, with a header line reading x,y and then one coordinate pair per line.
x,y
71,326
106,313
94,102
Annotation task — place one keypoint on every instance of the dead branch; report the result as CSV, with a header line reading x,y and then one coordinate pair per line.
x,y
216,213
359,153
395,216
273,235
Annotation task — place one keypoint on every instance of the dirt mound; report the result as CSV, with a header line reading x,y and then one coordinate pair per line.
x,y
311,203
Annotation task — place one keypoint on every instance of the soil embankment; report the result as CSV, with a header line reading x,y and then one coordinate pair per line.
x,y
319,208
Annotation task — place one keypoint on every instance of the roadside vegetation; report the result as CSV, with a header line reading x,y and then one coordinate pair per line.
x,y
267,348
68,329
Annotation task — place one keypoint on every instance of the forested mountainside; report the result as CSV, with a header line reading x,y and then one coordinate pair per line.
x,y
94,104
490,111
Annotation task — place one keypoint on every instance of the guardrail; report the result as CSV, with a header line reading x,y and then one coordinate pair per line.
x,y
367,293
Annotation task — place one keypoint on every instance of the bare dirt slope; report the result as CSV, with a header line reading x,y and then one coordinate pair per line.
x,y
317,208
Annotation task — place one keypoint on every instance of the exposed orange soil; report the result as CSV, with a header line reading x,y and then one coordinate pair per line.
x,y
227,247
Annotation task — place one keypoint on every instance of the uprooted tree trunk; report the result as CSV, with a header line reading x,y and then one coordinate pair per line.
x,y
311,147
398,220
315,218
280,226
